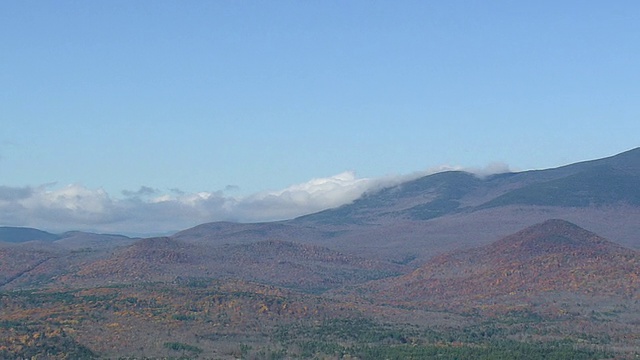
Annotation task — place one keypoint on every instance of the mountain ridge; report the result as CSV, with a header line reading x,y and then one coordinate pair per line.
x,y
16,234
433,214
447,190
295,265
424,217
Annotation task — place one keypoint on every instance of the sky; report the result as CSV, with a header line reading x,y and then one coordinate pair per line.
x,y
145,117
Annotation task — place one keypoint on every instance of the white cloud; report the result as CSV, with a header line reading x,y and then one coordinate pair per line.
x,y
149,211
144,211
491,169
314,195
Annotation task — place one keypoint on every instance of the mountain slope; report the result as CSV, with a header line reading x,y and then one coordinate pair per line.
x,y
413,221
301,266
607,181
16,262
597,186
553,257
421,199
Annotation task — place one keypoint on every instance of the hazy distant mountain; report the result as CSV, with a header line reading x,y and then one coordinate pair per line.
x,y
421,199
406,224
610,181
418,219
551,259
71,239
229,232
75,240
24,234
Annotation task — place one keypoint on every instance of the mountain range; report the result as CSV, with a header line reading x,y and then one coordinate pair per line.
x,y
409,223
418,219
538,254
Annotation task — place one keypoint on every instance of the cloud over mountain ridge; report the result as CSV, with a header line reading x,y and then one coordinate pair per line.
x,y
78,207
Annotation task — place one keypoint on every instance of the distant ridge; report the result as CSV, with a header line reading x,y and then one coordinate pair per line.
x,y
411,222
23,234
607,181
421,199
596,186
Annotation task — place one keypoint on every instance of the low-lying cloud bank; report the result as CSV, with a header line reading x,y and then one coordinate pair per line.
x,y
150,211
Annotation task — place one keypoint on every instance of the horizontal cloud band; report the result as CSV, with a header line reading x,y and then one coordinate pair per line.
x,y
147,211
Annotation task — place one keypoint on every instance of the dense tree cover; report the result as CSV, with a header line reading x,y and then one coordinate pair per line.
x,y
226,319
34,343
365,339
178,346
507,350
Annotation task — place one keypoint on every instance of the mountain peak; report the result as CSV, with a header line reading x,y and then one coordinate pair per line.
x,y
552,256
551,236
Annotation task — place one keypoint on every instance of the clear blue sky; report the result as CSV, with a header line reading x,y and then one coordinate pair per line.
x,y
260,95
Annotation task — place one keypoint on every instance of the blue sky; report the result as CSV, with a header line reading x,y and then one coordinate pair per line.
x,y
153,103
